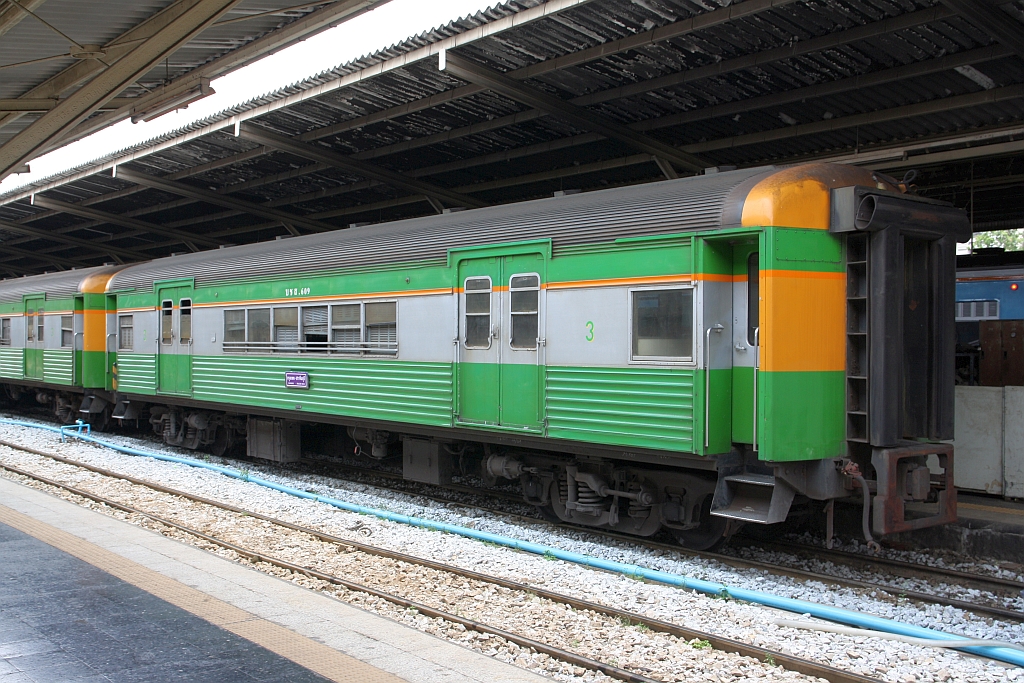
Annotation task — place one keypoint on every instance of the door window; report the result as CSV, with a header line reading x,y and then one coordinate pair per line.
x,y
478,312
185,321
30,324
525,295
753,297
167,322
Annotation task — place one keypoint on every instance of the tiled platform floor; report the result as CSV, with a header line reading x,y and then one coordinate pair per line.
x,y
86,597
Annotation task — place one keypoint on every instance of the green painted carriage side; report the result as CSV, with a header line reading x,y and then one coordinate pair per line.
x,y
802,413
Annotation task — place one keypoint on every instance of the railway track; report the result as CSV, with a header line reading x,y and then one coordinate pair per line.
x,y
907,569
796,664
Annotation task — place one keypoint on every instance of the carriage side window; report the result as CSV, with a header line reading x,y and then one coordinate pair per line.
x,y
67,331
314,327
753,297
5,331
258,325
478,312
359,328
30,324
525,291
663,324
347,326
381,321
185,321
126,332
234,326
167,322
286,328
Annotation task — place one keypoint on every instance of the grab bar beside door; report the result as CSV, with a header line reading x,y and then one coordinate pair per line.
x,y
757,367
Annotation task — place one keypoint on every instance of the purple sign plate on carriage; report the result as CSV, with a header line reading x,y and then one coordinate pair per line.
x,y
296,380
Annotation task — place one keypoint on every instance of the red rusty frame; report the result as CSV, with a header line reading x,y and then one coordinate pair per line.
x,y
888,507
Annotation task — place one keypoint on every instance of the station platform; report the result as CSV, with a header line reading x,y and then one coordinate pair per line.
x,y
87,598
986,526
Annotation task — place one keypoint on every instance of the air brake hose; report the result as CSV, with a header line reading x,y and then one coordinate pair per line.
x,y
826,612
865,516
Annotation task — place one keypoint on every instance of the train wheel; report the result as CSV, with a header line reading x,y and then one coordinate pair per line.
x,y
711,533
547,513
222,441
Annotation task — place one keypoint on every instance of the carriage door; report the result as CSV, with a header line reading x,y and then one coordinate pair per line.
x,y
479,340
499,341
746,342
35,338
174,358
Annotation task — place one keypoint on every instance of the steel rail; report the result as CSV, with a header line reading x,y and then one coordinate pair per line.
x,y
741,563
804,666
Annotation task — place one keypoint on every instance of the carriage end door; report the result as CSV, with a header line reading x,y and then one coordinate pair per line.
x,y
745,342
174,358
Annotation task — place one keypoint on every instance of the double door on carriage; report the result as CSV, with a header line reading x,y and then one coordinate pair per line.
x,y
175,340
500,341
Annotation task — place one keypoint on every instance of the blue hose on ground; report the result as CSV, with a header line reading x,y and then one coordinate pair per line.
x,y
836,614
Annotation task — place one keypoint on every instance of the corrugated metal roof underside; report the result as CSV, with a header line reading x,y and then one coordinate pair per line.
x,y
792,80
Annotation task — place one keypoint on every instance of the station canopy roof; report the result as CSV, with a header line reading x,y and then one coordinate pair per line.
x,y
530,98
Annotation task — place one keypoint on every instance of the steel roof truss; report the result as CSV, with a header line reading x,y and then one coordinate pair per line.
x,y
185,238
362,168
218,199
108,83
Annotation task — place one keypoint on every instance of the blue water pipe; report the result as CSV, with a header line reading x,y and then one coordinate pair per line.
x,y
836,614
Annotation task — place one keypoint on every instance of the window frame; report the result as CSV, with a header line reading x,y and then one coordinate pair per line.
x,y
689,361
120,334
490,312
6,326
166,340
71,329
358,327
185,310
366,326
512,314
249,347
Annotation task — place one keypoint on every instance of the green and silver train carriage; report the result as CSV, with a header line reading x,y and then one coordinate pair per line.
x,y
54,343
693,354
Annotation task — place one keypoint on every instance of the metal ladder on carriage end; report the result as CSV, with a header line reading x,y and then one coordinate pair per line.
x,y
857,328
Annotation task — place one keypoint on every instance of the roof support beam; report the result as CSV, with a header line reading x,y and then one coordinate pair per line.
x,y
185,238
218,199
41,104
108,83
68,241
362,168
335,13
587,120
993,21
60,261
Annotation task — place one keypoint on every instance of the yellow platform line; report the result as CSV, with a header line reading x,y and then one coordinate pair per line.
x,y
305,652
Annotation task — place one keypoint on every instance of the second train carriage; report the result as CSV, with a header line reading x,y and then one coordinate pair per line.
x,y
692,354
